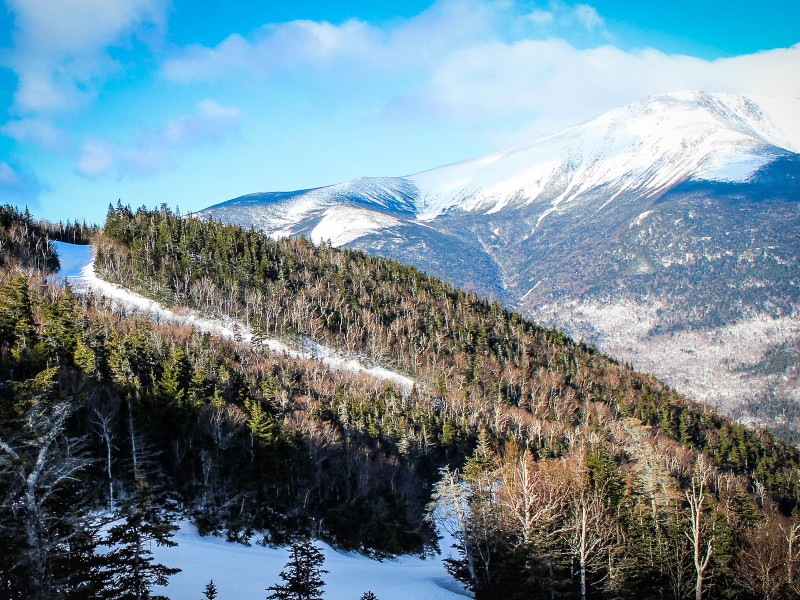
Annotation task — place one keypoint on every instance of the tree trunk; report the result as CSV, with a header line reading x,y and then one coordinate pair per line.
x,y
133,437
698,590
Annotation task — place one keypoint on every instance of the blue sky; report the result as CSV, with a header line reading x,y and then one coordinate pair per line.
x,y
193,102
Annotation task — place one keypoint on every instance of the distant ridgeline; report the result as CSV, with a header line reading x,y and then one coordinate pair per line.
x,y
561,471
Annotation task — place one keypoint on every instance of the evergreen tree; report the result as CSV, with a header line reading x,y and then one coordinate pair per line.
x,y
211,591
302,574
144,521
369,596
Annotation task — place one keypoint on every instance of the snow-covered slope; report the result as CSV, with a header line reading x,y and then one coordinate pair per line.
x,y
243,572
338,213
641,149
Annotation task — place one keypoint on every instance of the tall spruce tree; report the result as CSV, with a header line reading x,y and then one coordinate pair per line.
x,y
144,520
302,574
210,592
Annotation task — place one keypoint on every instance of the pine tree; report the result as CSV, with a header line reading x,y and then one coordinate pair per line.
x,y
144,521
369,596
211,591
302,574
263,428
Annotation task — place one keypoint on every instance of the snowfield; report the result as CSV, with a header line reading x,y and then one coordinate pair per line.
x,y
244,572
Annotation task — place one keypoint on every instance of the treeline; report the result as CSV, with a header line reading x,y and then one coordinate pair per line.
x,y
71,232
571,444
23,242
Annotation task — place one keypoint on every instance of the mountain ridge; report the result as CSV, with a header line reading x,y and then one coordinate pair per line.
x,y
685,204
429,193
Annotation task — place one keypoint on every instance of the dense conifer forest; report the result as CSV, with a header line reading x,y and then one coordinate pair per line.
x,y
560,471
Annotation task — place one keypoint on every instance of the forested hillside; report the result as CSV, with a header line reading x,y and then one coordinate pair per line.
x,y
566,430
560,471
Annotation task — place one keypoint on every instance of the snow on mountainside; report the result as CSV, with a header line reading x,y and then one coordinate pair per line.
x,y
339,213
683,208
642,148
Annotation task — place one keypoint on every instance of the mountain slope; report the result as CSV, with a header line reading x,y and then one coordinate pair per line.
x,y
555,428
518,439
680,210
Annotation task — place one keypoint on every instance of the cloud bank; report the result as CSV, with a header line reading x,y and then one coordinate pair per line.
x,y
154,151
485,65
60,48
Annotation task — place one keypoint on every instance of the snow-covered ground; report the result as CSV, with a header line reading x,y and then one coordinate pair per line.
x,y
244,572
77,268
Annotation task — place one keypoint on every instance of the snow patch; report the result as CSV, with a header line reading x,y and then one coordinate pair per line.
x,y
244,572
343,224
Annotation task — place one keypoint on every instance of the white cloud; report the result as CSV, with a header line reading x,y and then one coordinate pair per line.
x,y
588,17
558,84
270,49
542,17
560,18
60,47
213,122
154,151
97,157
352,45
40,132
489,66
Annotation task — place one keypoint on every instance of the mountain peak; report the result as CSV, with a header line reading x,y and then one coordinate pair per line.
x,y
642,148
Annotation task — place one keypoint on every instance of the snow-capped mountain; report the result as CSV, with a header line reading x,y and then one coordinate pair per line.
x,y
643,148
676,217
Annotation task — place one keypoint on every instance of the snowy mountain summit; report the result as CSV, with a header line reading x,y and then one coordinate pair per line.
x,y
640,149
673,218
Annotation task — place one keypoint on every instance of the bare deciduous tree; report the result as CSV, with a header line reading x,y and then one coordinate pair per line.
x,y
589,531
700,539
38,464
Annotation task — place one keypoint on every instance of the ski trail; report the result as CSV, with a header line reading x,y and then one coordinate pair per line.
x,y
226,327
